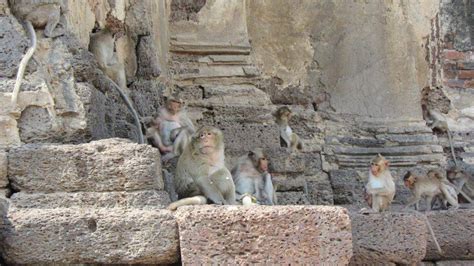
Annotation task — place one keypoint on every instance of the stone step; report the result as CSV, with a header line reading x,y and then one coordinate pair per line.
x,y
217,71
100,166
231,95
264,235
384,140
385,151
150,199
211,49
397,161
84,235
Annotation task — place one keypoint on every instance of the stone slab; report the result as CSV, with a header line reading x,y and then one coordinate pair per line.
x,y
454,230
98,236
99,166
388,237
150,199
240,138
264,235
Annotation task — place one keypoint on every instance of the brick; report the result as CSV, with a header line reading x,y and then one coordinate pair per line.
x,y
221,235
99,166
454,83
469,84
465,65
453,55
95,236
466,74
388,237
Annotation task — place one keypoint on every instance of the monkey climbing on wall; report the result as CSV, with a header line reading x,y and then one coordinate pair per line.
x,y
288,138
380,188
253,182
102,46
201,175
35,14
171,130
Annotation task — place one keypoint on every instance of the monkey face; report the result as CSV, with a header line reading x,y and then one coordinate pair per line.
x,y
259,160
409,180
173,107
207,140
378,165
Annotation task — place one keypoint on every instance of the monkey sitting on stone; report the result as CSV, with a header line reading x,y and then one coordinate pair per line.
x,y
172,129
430,186
201,176
380,188
290,139
253,182
40,13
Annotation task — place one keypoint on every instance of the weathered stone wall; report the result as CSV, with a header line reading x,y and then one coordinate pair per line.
x,y
367,55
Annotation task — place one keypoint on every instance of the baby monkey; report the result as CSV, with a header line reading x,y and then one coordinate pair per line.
x,y
380,188
430,186
290,139
253,182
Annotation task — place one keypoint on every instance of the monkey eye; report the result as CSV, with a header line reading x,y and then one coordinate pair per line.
x,y
264,159
209,133
373,164
202,136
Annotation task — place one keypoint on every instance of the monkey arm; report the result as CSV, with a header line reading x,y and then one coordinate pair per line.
x,y
209,188
285,138
185,121
268,188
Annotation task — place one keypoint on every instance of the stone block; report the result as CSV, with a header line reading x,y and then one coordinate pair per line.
x,y
9,135
240,138
455,263
320,191
454,230
264,235
388,237
150,199
348,186
234,95
96,236
99,166
292,198
12,45
3,169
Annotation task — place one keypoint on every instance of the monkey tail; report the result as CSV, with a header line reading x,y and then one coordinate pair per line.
x,y
428,224
24,63
129,104
450,139
196,200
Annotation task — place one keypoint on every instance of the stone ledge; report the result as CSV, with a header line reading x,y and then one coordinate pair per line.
x,y
388,237
264,234
454,230
99,166
149,199
109,236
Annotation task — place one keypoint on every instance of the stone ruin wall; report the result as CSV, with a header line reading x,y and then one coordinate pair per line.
x,y
354,72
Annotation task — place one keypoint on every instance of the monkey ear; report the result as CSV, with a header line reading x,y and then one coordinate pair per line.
x,y
387,163
250,153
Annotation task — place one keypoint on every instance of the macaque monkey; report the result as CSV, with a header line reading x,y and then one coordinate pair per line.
x,y
40,13
437,121
171,131
429,186
201,175
380,188
102,46
253,182
290,139
460,180
35,14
